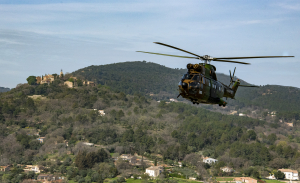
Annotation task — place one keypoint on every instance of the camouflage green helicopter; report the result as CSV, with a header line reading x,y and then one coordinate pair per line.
x,y
200,84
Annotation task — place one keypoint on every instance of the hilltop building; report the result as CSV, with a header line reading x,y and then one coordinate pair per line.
x,y
48,78
69,84
61,74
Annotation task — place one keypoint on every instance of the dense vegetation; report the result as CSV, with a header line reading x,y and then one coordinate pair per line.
x,y
132,124
146,77
135,77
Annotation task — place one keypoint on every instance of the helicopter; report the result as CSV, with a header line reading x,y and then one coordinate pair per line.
x,y
200,84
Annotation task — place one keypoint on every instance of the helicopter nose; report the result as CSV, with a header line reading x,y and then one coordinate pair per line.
x,y
184,85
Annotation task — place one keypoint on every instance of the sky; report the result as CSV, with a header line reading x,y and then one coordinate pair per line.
x,y
41,37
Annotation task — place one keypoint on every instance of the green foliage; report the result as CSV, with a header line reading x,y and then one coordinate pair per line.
x,y
131,77
133,123
279,175
79,82
86,160
71,80
31,80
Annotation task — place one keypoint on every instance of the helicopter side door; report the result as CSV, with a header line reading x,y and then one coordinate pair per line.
x,y
206,86
220,90
213,89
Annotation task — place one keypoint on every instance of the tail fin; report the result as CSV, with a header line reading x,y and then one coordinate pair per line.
x,y
235,86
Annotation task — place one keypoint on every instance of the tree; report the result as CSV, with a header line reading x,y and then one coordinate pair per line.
x,y
79,82
279,175
31,80
71,80
251,135
80,160
2,118
278,163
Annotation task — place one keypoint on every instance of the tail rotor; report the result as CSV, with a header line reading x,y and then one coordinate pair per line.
x,y
231,77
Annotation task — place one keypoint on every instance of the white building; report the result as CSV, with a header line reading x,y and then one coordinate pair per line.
x,y
101,112
41,139
154,171
173,100
290,174
32,168
271,177
227,169
126,157
88,144
209,160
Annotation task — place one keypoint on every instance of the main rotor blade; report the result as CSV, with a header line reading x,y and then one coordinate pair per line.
x,y
219,60
252,57
168,55
248,86
178,49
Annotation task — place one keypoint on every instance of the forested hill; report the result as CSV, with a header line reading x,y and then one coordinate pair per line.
x,y
134,77
2,89
131,124
146,77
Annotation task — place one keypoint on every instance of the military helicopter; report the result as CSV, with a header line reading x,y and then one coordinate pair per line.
x,y
200,84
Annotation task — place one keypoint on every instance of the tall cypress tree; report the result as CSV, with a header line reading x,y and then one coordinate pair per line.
x,y
2,118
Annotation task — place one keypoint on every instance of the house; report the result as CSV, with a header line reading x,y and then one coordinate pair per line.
x,y
49,177
233,112
4,168
69,84
101,112
126,157
89,83
173,100
88,144
209,160
290,124
241,114
46,79
290,174
38,79
245,179
179,164
41,139
32,168
227,169
154,171
271,177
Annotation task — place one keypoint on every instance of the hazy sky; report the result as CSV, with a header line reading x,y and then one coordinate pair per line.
x,y
41,37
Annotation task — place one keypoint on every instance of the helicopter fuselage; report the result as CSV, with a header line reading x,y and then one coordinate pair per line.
x,y
200,85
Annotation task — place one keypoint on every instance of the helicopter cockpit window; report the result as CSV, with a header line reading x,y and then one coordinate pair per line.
x,y
196,77
184,76
188,76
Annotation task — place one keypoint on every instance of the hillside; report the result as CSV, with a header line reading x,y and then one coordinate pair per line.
x,y
146,77
3,89
132,124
